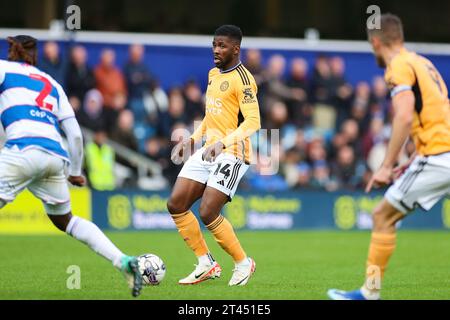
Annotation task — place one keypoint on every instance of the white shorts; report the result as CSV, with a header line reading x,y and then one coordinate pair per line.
x,y
223,174
40,172
423,184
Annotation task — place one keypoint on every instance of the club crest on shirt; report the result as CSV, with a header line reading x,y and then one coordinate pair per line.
x,y
248,95
224,86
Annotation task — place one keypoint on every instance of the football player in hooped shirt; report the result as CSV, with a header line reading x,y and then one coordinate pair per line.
x,y
33,110
214,171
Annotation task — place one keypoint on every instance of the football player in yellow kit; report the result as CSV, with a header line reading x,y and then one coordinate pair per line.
x,y
214,171
422,111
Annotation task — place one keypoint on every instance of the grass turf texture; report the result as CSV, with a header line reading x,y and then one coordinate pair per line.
x,y
290,265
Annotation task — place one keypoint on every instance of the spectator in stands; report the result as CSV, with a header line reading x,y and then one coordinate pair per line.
x,y
75,103
351,133
347,170
299,76
278,116
375,135
79,78
289,166
52,64
298,80
321,176
322,81
316,150
300,145
100,160
276,89
341,90
303,175
374,143
253,62
323,94
176,113
124,134
138,80
361,106
111,114
91,115
194,106
109,79
157,150
380,102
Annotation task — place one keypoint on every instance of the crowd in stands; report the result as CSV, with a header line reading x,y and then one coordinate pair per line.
x,y
332,134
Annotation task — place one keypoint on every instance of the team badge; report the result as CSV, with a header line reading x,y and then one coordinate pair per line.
x,y
224,86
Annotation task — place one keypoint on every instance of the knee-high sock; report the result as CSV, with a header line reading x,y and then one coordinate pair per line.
x,y
224,235
90,234
189,228
382,245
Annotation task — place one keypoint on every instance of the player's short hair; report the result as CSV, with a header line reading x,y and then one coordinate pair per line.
x,y
390,31
22,48
229,30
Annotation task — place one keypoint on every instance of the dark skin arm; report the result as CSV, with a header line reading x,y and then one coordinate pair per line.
x,y
213,151
78,181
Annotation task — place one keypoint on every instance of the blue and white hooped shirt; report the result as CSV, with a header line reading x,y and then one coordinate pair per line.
x,y
32,104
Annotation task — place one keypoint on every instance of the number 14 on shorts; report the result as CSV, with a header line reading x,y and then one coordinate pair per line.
x,y
223,169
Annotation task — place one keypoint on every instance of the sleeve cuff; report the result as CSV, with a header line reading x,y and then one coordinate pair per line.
x,y
74,172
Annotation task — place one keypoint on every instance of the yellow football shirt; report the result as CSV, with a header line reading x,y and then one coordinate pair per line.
x,y
231,111
431,125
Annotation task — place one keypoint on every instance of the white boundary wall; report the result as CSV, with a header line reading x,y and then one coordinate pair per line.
x,y
205,41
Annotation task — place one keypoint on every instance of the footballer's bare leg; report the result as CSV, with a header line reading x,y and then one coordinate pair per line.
x,y
184,194
212,203
88,233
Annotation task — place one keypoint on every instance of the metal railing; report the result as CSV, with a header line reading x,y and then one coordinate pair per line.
x,y
140,162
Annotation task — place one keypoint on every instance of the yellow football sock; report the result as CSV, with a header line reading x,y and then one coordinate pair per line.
x,y
381,247
189,228
224,235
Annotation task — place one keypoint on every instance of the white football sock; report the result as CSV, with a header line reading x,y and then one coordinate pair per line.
x,y
88,233
243,263
370,294
206,259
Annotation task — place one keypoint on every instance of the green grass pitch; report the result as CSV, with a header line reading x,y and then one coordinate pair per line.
x,y
290,265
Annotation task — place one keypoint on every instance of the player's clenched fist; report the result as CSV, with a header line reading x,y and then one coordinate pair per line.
x,y
182,151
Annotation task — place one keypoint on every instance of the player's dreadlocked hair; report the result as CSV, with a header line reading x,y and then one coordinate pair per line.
x,y
22,48
231,31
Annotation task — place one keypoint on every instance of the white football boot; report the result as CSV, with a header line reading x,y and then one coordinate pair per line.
x,y
202,272
242,273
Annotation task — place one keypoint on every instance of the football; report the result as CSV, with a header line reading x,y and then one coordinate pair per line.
x,y
152,269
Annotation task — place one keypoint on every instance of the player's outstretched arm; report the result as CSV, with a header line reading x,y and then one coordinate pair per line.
x,y
75,145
